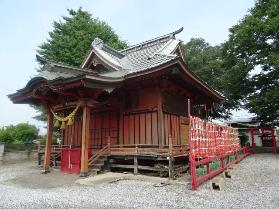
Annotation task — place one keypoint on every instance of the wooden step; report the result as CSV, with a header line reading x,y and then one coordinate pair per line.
x,y
97,166
94,171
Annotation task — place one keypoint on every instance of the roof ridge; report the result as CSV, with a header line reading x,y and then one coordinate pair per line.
x,y
45,61
169,35
99,43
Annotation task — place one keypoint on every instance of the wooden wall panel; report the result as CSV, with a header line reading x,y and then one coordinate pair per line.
x,y
71,134
173,127
137,129
102,125
141,128
154,129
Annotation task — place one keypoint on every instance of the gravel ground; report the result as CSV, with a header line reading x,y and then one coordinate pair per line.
x,y
254,185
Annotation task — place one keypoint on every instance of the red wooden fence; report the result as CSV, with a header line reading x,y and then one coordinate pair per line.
x,y
210,142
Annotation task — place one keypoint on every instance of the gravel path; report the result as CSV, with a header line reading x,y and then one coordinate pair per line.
x,y
255,185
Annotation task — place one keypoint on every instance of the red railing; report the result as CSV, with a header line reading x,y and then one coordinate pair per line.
x,y
196,180
210,142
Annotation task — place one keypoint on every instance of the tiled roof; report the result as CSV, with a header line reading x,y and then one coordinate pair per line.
x,y
139,57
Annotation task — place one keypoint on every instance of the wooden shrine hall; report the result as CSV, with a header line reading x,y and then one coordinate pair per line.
x,y
124,109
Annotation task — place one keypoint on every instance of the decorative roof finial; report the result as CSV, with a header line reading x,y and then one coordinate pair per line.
x,y
97,42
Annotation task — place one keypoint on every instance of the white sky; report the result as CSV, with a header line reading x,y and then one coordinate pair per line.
x,y
25,25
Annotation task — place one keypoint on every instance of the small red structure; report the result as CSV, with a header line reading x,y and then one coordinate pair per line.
x,y
70,160
267,135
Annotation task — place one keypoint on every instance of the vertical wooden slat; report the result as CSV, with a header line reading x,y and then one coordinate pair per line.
x,y
148,128
142,128
155,138
126,129
161,124
137,129
131,129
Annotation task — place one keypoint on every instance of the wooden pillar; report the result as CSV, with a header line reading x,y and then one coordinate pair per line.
x,y
253,141
48,141
136,161
85,141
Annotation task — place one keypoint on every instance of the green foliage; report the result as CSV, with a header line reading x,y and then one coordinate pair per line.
x,y
254,44
72,36
22,133
206,62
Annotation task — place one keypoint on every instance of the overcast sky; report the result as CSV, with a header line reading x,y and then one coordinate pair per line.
x,y
25,25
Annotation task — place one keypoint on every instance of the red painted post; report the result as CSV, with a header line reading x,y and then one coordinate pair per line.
x,y
207,168
193,172
253,141
222,163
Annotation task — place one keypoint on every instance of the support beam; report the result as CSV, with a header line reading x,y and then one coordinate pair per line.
x,y
135,164
48,141
136,169
85,141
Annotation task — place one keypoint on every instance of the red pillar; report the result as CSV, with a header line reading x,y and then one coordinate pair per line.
x,y
274,142
253,141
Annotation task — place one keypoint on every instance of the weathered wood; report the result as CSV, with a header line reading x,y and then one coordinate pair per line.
x,y
170,158
136,162
140,167
48,141
85,141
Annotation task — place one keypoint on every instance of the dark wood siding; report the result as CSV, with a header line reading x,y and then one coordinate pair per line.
x,y
102,125
140,128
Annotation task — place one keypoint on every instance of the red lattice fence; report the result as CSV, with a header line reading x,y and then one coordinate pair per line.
x,y
211,142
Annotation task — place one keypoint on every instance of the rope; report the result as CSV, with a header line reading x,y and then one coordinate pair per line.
x,y
70,116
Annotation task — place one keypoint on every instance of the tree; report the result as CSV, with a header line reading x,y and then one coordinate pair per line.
x,y
72,36
206,62
252,54
70,41
22,133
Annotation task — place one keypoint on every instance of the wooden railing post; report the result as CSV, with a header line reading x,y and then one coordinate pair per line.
x,y
193,172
